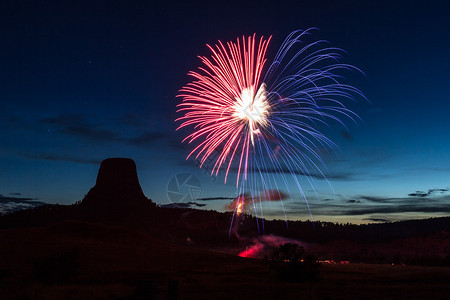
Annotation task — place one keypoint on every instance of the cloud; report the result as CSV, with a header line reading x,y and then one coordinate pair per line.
x,y
337,175
15,194
183,205
12,204
15,199
396,209
370,206
317,176
377,220
244,202
177,144
376,199
346,135
77,125
429,193
133,120
353,201
142,122
192,162
215,198
432,191
427,169
145,139
379,205
57,157
418,194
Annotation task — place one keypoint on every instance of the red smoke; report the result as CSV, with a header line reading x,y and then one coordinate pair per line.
x,y
266,245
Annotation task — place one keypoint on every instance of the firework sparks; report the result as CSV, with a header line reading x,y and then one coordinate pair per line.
x,y
252,110
264,119
224,105
239,205
239,208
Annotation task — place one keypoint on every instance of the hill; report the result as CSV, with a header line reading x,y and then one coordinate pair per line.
x,y
117,244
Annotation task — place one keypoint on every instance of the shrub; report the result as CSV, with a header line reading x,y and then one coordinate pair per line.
x,y
292,264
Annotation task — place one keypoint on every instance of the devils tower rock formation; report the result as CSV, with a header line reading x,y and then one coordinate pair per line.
x,y
117,189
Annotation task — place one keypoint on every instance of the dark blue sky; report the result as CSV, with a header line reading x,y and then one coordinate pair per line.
x,y
84,81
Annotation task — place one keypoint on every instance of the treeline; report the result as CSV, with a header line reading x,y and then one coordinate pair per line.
x,y
321,232
412,242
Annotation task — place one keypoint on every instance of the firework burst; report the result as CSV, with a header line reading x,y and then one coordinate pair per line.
x,y
261,120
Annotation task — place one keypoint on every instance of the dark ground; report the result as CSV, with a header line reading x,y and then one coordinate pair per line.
x,y
82,260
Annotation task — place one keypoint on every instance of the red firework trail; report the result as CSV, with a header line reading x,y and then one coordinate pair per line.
x,y
227,104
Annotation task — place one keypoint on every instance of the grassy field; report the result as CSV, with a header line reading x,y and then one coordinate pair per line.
x,y
76,260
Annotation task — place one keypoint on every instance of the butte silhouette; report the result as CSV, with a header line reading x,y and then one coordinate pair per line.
x,y
117,191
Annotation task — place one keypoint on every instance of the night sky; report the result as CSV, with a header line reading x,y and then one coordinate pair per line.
x,y
84,81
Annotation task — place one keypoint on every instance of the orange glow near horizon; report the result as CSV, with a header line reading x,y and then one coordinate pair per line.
x,y
239,207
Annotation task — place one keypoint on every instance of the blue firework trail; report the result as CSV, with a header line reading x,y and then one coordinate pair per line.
x,y
266,124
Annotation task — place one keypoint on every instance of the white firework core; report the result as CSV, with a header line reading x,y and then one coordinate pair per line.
x,y
253,109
